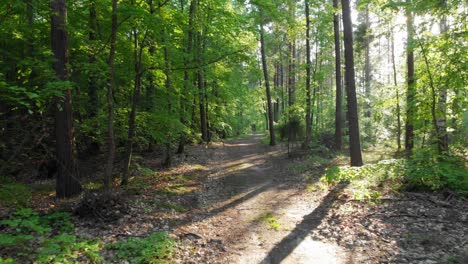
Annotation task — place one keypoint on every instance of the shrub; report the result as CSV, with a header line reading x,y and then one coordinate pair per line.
x,y
427,169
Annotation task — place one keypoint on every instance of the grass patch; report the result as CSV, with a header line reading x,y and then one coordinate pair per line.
x,y
269,220
92,185
175,189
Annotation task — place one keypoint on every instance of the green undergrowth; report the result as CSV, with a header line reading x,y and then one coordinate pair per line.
x,y
155,249
28,237
13,194
424,171
428,170
370,181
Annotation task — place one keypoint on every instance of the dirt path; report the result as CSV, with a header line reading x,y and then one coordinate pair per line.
x,y
256,209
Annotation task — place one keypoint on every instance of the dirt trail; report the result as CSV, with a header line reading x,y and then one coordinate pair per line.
x,y
256,208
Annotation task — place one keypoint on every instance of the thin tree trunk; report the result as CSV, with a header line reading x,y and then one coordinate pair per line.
x,y
67,184
267,85
137,53
92,80
395,83
410,93
187,83
110,99
339,90
308,92
168,159
367,74
201,89
354,140
442,103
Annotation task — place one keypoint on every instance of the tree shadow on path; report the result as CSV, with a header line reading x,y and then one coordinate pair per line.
x,y
311,221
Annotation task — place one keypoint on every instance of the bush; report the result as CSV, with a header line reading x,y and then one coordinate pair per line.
x,y
426,169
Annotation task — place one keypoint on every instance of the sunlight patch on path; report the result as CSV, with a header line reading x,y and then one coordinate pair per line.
x,y
308,251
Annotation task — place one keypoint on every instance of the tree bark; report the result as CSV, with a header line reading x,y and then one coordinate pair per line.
x,y
187,83
92,79
339,89
442,103
137,53
395,83
267,85
67,184
308,92
110,100
367,74
354,140
410,93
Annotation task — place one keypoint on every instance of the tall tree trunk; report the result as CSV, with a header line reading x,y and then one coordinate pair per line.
x,y
410,93
339,89
150,89
442,102
110,99
308,92
167,71
395,83
354,140
67,184
137,53
267,85
367,74
93,78
187,82
201,89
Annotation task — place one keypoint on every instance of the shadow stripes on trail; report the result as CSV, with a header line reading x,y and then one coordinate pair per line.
x,y
311,221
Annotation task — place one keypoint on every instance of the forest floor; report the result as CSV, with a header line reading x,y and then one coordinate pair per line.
x,y
243,201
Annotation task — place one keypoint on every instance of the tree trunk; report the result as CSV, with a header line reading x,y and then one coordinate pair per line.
x,y
93,79
395,83
354,140
367,74
339,89
410,93
168,159
308,92
67,184
187,83
137,52
110,100
442,103
201,89
267,86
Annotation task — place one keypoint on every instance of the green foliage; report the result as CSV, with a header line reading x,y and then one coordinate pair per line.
x,y
428,169
366,181
14,195
46,239
157,248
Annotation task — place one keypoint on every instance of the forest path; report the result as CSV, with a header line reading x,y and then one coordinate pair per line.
x,y
255,207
